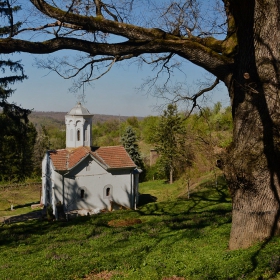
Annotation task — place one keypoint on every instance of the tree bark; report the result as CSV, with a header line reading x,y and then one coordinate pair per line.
x,y
253,159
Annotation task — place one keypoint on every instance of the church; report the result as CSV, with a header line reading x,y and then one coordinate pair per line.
x,y
82,177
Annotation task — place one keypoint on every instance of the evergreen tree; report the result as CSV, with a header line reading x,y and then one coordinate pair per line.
x,y
17,141
17,137
169,138
129,142
14,68
7,12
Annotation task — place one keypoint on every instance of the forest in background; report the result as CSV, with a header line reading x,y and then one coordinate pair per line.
x,y
207,133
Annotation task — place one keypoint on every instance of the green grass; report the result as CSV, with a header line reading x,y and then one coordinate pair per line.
x,y
22,197
177,236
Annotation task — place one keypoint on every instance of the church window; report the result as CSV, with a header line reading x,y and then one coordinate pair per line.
x,y
108,191
82,193
78,135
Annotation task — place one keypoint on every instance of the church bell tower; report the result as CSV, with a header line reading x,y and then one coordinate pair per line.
x,y
78,127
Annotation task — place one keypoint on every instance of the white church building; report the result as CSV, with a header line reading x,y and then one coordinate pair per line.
x,y
82,177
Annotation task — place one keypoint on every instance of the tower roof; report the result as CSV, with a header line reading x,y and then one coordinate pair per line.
x,y
79,110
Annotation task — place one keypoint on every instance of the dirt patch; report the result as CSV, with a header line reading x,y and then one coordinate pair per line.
x,y
124,223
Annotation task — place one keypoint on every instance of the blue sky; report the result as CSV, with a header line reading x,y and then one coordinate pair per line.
x,y
115,93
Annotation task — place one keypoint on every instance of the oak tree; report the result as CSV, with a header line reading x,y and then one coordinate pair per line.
x,y
246,60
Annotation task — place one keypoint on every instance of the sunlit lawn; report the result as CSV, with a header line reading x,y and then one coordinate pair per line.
x,y
176,237
21,197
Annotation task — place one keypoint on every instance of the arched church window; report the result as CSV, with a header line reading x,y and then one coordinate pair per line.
x,y
108,191
78,135
82,193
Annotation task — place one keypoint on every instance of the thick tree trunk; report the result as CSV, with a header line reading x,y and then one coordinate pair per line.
x,y
253,165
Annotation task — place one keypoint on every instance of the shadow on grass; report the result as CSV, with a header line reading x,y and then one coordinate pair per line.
x,y
208,197
37,214
209,206
23,205
145,199
32,223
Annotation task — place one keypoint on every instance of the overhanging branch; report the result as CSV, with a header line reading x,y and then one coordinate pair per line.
x,y
218,65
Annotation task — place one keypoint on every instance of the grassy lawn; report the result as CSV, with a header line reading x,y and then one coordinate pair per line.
x,y
171,237
22,197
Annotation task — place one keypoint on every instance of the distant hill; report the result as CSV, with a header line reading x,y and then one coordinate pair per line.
x,y
58,118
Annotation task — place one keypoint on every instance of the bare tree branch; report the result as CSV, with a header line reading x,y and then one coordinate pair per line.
x,y
195,96
57,23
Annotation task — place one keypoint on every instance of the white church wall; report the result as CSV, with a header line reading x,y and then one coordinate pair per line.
x,y
96,188
125,194
57,189
44,180
87,132
47,181
89,167
70,195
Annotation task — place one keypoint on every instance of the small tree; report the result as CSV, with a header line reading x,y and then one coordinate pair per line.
x,y
169,138
129,141
41,146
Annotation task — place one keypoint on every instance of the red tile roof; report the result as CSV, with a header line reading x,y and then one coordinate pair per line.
x,y
115,157
110,157
76,155
59,158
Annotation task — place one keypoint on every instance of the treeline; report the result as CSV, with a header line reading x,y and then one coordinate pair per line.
x,y
199,139
180,144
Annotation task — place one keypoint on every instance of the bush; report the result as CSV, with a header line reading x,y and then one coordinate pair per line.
x,y
154,172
